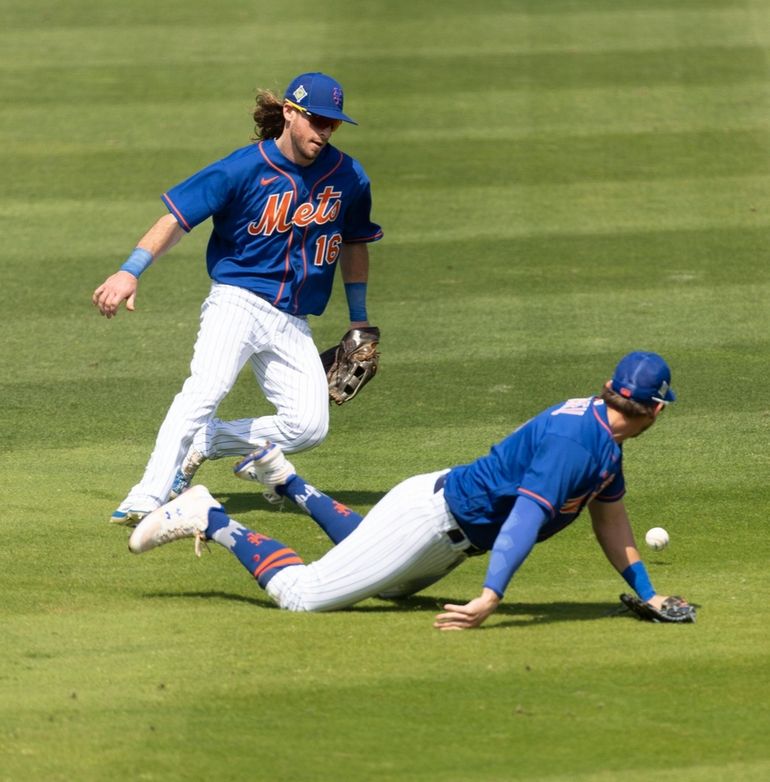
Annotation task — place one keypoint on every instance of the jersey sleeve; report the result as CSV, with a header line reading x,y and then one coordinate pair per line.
x,y
614,491
513,543
358,223
200,196
560,469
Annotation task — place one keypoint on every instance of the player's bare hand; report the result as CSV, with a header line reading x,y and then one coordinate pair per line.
x,y
471,614
116,289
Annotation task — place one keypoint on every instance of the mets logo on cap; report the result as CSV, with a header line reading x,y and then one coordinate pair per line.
x,y
318,94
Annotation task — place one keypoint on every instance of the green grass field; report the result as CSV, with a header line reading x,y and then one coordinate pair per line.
x,y
560,181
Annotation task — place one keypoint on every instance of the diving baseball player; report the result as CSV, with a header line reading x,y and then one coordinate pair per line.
x,y
285,211
530,486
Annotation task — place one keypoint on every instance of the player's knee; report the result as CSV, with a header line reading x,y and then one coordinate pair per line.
x,y
309,438
304,433
315,435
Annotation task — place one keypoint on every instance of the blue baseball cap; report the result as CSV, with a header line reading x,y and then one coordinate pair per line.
x,y
318,94
643,377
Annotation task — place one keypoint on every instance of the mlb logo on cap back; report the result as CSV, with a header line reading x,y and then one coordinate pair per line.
x,y
643,377
318,94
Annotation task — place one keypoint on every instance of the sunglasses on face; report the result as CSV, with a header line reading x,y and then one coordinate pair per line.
x,y
317,121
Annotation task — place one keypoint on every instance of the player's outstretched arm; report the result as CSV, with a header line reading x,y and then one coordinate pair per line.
x,y
457,617
613,531
513,543
121,286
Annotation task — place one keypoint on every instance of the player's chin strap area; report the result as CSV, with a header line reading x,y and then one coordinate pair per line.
x,y
456,535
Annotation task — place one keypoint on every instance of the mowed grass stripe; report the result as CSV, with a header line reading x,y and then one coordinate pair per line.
x,y
186,81
509,211
503,31
680,298
643,155
570,112
527,707
518,114
538,264
578,31
647,157
492,401
42,13
542,265
678,271
495,212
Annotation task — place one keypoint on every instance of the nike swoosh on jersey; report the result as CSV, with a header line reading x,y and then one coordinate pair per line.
x,y
267,180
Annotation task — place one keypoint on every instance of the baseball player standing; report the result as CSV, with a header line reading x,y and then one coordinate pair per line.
x,y
530,486
285,210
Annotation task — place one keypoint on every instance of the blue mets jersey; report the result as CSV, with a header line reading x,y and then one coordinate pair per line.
x,y
278,226
562,459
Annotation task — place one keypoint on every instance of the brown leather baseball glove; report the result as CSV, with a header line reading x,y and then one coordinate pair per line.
x,y
350,365
674,609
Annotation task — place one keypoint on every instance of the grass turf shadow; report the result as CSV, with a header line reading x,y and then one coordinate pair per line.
x,y
243,502
261,602
517,613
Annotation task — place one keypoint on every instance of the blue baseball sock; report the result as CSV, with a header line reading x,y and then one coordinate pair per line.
x,y
334,518
263,557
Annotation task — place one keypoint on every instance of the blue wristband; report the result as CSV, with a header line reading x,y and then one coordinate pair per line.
x,y
137,262
637,578
356,294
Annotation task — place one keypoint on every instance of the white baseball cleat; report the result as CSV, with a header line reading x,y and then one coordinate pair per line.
x,y
186,516
269,466
130,512
186,472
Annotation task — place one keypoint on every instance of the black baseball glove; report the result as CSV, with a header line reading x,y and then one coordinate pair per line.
x,y
674,609
350,365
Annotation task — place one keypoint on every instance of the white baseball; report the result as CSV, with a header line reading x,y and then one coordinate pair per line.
x,y
656,538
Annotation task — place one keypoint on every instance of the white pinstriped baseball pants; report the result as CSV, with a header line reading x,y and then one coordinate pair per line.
x,y
237,327
400,547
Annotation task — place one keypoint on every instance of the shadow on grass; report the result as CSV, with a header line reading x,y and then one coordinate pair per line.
x,y
244,501
515,613
260,602
547,613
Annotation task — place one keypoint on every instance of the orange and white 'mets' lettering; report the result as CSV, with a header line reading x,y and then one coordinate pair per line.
x,y
276,214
